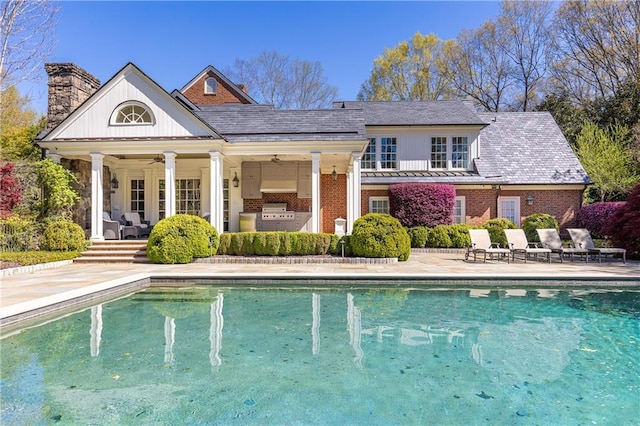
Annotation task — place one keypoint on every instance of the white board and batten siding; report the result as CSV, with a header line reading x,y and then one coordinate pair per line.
x,y
170,118
413,148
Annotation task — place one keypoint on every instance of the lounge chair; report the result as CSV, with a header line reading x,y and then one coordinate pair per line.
x,y
517,240
582,238
133,219
110,228
551,239
481,243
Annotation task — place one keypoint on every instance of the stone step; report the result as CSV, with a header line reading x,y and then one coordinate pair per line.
x,y
116,251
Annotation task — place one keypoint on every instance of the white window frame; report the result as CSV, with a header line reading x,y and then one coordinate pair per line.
x,y
516,208
113,120
210,89
374,200
376,153
466,138
462,217
449,150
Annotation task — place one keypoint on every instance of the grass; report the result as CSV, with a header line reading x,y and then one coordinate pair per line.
x,y
11,259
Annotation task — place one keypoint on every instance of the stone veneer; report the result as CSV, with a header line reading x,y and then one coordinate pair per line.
x,y
69,86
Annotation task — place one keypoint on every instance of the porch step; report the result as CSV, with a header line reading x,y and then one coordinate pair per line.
x,y
118,251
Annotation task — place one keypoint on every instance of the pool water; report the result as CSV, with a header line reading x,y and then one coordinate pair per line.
x,y
208,355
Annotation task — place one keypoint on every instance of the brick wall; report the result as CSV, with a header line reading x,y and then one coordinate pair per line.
x,y
225,94
333,201
481,204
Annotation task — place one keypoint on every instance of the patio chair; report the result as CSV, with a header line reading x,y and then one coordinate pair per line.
x,y
582,238
110,228
481,243
517,240
551,239
133,219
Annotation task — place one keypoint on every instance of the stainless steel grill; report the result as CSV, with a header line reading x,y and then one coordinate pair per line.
x,y
277,211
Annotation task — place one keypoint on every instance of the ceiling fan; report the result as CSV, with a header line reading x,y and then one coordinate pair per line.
x,y
275,159
157,159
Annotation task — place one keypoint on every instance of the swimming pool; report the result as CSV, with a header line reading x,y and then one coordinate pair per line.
x,y
212,355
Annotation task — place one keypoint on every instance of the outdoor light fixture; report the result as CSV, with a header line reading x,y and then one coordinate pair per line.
x,y
114,182
530,199
334,174
235,180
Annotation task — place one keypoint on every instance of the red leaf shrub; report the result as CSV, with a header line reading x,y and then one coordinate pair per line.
x,y
595,217
422,204
10,189
624,226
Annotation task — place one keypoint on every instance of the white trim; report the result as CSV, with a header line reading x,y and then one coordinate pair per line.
x,y
113,120
463,209
516,208
315,192
378,198
97,196
207,91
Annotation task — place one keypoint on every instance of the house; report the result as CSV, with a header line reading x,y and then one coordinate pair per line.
x,y
209,149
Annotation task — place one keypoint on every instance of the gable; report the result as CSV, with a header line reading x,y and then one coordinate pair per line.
x,y
93,119
226,91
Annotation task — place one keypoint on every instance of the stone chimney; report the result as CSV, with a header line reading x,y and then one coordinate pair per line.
x,y
69,86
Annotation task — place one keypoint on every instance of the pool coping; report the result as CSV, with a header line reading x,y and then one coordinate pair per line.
x,y
14,315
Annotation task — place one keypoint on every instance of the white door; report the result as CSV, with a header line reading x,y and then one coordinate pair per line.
x,y
509,207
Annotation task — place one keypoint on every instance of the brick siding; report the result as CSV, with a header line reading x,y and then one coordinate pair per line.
x,y
225,94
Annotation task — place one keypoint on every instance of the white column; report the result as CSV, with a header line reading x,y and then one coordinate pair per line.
x,y
151,194
54,157
97,196
356,195
315,192
169,183
216,194
350,218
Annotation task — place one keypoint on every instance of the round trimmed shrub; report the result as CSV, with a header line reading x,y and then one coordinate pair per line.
x,y
380,235
63,236
496,229
538,221
180,238
459,235
438,237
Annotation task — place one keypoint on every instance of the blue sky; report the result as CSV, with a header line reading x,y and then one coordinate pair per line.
x,y
173,41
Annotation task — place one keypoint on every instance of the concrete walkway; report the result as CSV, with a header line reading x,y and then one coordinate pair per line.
x,y
40,291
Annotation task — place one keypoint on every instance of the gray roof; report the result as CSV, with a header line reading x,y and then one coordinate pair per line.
x,y
450,177
263,123
527,148
415,113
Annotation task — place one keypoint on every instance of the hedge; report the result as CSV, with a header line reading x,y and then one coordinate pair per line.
x,y
595,217
278,244
496,229
538,221
180,238
420,204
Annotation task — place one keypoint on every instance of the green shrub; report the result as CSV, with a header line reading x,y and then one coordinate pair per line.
x,y
459,235
26,258
180,238
496,229
418,235
17,234
225,244
266,243
335,247
438,237
380,235
278,244
538,221
63,236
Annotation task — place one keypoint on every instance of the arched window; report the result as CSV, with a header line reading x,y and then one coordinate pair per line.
x,y
210,86
131,113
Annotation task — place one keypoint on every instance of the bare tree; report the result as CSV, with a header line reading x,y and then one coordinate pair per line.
x,y
525,27
479,68
26,28
598,47
285,83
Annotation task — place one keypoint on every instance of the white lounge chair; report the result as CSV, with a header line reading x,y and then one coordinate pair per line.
x,y
551,239
517,240
481,243
582,238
